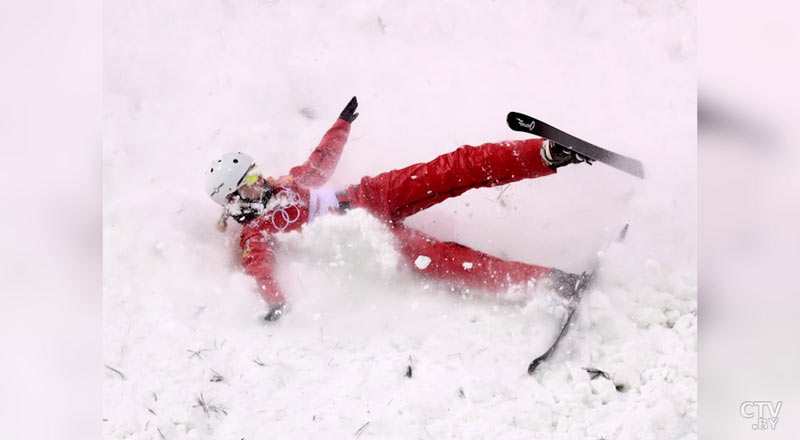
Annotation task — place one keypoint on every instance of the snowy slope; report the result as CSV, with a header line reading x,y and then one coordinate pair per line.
x,y
186,81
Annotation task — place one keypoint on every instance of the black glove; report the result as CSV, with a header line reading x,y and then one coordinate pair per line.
x,y
275,312
349,113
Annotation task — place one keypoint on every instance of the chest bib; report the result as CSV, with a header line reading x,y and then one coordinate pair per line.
x,y
321,201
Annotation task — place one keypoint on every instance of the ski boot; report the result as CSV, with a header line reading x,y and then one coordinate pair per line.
x,y
275,312
556,156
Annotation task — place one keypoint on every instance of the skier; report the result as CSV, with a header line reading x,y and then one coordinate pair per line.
x,y
266,206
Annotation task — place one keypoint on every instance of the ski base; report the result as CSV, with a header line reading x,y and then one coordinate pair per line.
x,y
528,124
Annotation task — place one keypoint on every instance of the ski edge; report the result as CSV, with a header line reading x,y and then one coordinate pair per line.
x,y
573,306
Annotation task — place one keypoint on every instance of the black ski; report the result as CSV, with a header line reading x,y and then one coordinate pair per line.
x,y
587,278
528,124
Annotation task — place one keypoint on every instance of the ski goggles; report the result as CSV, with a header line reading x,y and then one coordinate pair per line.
x,y
250,177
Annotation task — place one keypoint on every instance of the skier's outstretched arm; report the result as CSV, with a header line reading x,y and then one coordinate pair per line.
x,y
323,160
258,259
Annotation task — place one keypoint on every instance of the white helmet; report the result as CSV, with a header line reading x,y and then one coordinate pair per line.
x,y
223,175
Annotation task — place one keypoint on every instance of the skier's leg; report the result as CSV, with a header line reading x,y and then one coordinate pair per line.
x,y
463,266
397,194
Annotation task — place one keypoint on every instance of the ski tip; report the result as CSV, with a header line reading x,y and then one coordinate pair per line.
x,y
511,120
518,121
532,367
623,232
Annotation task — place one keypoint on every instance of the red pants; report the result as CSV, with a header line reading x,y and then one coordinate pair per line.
x,y
397,194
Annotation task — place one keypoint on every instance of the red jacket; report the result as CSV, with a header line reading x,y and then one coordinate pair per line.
x,y
392,196
288,210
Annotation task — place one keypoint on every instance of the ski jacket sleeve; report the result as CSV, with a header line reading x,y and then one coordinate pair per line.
x,y
323,160
258,259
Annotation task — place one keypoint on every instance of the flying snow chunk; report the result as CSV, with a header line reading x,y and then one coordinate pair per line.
x,y
467,265
422,262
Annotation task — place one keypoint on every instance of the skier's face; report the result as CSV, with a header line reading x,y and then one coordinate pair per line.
x,y
250,197
251,187
253,190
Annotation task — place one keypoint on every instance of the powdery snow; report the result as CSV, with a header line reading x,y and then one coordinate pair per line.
x,y
186,353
